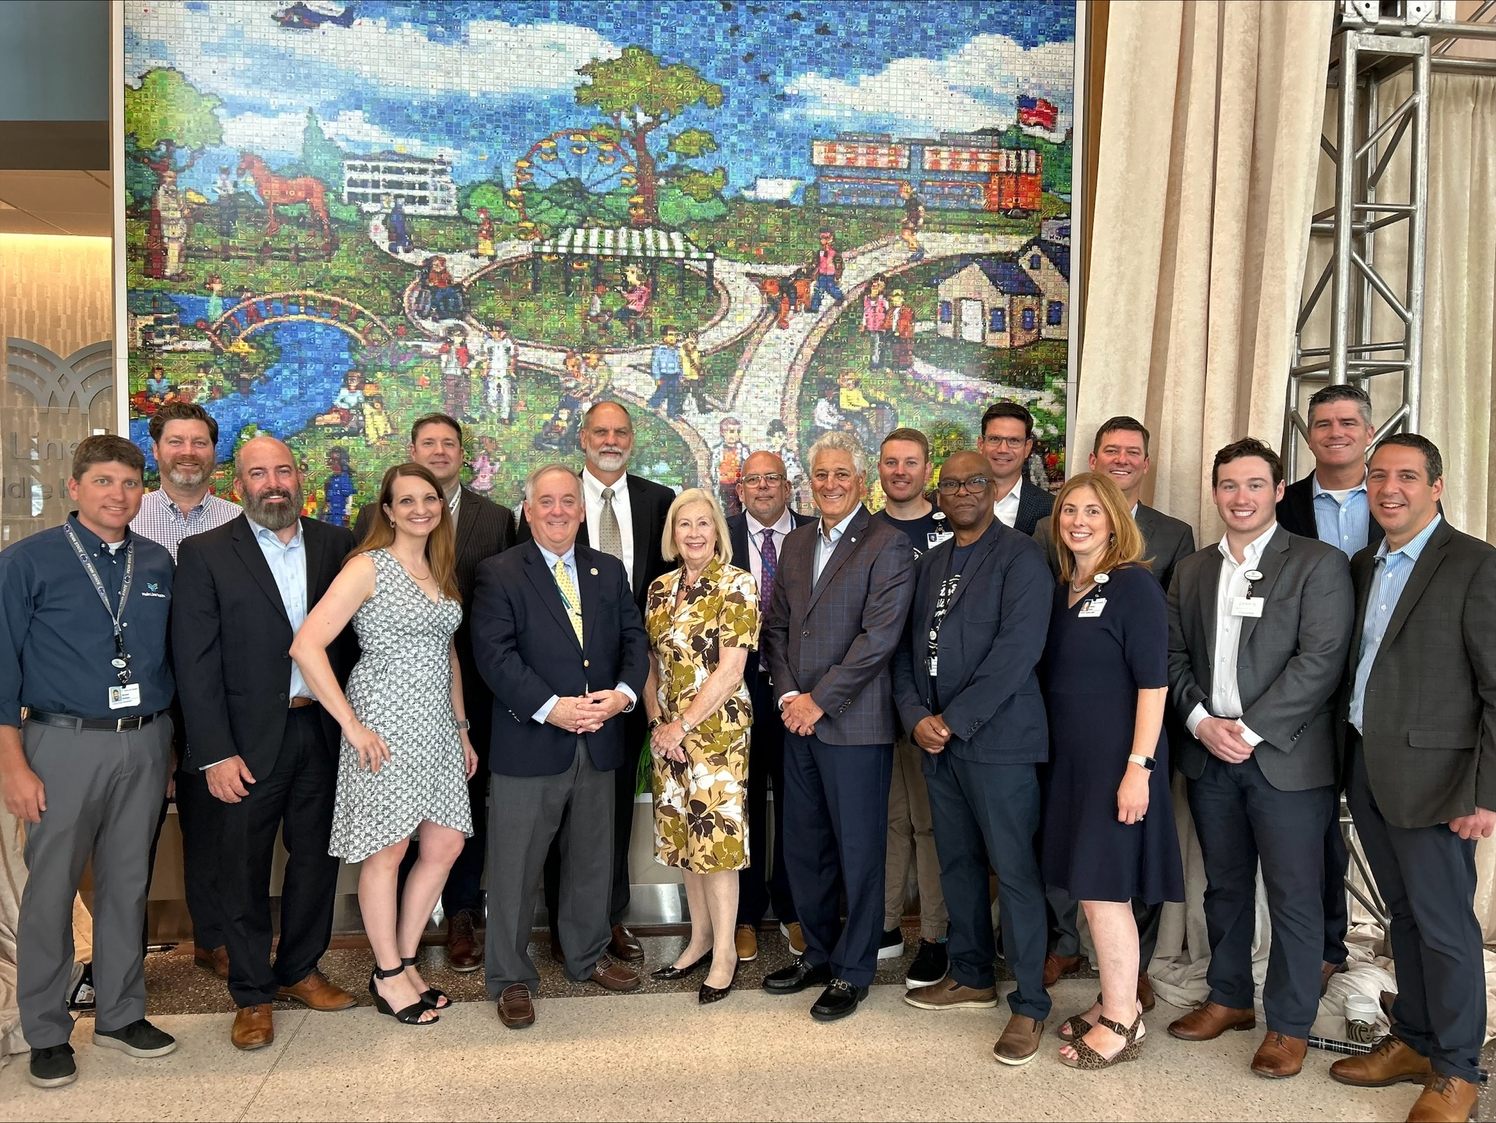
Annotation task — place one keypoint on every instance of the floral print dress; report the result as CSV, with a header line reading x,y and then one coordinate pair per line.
x,y
700,816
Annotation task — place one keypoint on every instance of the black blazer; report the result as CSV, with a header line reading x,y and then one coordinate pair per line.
x,y
1429,715
1166,542
737,535
991,642
231,641
1296,513
1033,504
527,651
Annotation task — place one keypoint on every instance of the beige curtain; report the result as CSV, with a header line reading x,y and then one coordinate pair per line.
x,y
1209,131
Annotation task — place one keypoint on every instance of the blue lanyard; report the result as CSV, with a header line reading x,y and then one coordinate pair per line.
x,y
121,660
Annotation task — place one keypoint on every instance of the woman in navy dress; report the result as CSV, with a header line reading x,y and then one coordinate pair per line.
x,y
1108,835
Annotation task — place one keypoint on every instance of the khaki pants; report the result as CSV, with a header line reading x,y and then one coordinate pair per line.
x,y
909,825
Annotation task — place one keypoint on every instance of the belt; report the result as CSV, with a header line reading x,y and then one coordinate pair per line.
x,y
297,703
106,724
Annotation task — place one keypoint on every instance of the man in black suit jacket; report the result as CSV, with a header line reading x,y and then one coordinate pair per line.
x,y
1007,442
629,523
268,750
484,528
559,637
764,490
1420,743
966,683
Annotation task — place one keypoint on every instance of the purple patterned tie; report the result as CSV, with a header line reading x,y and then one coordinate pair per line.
x,y
770,558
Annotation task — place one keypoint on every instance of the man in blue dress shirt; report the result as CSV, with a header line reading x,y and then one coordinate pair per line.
x,y
83,614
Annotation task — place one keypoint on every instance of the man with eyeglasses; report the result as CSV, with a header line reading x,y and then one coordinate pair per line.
x,y
757,535
1007,440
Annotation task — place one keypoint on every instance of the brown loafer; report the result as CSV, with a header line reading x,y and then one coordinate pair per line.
x,y
316,993
215,960
624,945
1145,993
1445,1099
1056,966
515,1008
464,952
254,1027
1210,1021
951,995
1328,971
1393,1061
1280,1056
609,974
745,939
1020,1040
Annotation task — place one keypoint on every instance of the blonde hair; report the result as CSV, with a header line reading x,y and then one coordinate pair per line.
x,y
1126,544
441,543
685,499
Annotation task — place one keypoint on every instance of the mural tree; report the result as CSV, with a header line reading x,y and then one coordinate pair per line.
x,y
638,95
164,115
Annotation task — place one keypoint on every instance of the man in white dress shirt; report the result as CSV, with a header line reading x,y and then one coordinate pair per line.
x,y
1007,440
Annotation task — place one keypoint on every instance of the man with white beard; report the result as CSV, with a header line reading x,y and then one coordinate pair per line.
x,y
185,439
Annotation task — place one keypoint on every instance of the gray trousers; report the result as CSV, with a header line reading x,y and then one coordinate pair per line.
x,y
103,792
524,814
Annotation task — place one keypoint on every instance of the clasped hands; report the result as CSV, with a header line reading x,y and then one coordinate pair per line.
x,y
1222,736
586,713
931,734
800,715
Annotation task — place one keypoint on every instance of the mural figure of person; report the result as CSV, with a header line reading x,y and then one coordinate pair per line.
x,y
783,445
914,221
228,203
398,228
728,455
827,265
690,376
445,297
498,375
665,369
875,317
337,492
828,417
485,234
636,295
347,409
902,317
215,298
454,359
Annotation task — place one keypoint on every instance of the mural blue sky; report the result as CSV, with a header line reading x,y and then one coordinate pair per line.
x,y
478,82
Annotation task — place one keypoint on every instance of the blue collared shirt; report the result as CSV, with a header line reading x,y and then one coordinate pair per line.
x,y
826,543
1387,584
57,640
569,559
1346,526
287,561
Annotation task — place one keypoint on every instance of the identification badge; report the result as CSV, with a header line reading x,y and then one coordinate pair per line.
x,y
1093,608
936,537
1247,606
934,664
123,697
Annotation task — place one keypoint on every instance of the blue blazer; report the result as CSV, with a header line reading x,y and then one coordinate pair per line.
x,y
989,650
526,651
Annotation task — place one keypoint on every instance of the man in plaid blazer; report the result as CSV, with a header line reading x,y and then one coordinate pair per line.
x,y
841,594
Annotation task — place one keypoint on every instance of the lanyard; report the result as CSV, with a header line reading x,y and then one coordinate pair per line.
x,y
121,660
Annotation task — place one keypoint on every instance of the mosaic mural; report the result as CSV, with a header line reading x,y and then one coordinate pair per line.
x,y
750,222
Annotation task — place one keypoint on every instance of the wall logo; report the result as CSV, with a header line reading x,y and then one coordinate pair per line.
x,y
52,381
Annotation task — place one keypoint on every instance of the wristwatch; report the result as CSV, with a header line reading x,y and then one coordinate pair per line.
x,y
686,726
464,724
1145,762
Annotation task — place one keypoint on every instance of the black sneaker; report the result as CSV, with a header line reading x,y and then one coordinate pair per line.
x,y
929,966
138,1039
892,944
53,1066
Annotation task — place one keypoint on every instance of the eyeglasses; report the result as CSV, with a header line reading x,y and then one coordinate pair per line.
x,y
1007,442
771,479
973,485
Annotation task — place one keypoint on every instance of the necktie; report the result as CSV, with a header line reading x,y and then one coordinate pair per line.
x,y
570,595
770,559
609,537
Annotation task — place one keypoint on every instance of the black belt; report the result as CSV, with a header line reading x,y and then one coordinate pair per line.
x,y
106,724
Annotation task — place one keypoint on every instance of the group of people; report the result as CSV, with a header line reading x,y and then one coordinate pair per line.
x,y
991,675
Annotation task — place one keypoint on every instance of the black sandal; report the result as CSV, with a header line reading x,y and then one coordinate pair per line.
x,y
412,1014
434,998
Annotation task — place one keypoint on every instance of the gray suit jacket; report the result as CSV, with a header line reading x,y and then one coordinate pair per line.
x,y
1289,661
1429,715
1167,541
834,641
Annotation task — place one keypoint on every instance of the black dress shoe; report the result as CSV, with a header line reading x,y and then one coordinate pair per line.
x,y
838,1000
670,972
796,977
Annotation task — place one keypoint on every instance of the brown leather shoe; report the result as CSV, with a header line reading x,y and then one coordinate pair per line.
x,y
464,952
557,955
1445,1099
1280,1056
316,993
254,1027
624,946
1393,1061
1056,966
612,975
795,936
1145,992
745,938
1020,1040
212,959
1328,971
1210,1021
515,1008
951,995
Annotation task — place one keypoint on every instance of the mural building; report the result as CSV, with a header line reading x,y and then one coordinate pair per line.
x,y
751,223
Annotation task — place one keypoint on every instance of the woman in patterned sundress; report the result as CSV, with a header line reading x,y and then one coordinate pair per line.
x,y
702,620
406,758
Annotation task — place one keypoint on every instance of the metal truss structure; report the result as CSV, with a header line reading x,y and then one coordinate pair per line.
x,y
1373,41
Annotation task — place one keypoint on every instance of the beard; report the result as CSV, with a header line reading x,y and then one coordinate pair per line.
x,y
188,473
610,459
274,516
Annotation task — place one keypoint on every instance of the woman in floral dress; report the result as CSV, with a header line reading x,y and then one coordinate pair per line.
x,y
702,620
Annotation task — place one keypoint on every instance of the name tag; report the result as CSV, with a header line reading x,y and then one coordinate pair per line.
x,y
936,537
1093,608
1246,606
123,697
934,664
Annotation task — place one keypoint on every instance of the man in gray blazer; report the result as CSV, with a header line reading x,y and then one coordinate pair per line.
x,y
841,594
1259,627
1420,746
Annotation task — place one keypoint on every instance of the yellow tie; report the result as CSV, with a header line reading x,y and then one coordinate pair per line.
x,y
571,597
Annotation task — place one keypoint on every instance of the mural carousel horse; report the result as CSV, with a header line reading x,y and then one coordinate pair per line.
x,y
280,191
